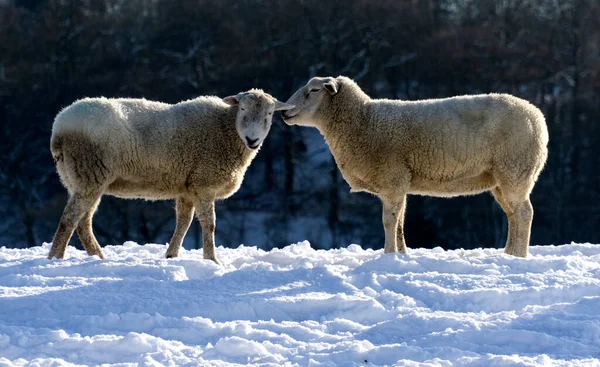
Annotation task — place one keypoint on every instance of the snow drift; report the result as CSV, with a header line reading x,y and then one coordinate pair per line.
x,y
299,306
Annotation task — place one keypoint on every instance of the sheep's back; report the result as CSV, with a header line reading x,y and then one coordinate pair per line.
x,y
445,139
102,117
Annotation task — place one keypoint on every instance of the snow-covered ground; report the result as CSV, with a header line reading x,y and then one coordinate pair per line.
x,y
298,306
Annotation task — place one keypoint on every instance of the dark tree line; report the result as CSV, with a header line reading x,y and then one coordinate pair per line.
x,y
53,52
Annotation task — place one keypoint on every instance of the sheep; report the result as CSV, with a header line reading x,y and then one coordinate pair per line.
x,y
447,147
195,152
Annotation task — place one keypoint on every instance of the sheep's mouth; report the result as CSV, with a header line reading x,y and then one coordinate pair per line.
x,y
255,146
287,117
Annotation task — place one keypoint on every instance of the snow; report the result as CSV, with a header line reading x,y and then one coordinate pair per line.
x,y
301,307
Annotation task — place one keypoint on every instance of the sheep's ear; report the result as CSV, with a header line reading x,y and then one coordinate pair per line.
x,y
331,86
280,106
232,100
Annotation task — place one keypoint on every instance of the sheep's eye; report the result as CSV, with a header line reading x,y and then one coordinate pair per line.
x,y
243,109
270,113
311,91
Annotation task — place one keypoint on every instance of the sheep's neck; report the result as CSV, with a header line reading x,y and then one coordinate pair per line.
x,y
228,127
238,150
346,129
349,138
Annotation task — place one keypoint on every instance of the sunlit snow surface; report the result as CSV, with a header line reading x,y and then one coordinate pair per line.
x,y
298,306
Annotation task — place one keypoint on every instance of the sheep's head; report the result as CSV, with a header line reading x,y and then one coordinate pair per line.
x,y
309,99
254,115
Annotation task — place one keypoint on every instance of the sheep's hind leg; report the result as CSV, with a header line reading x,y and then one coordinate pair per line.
x,y
76,207
519,212
86,235
185,213
393,225
206,215
508,249
520,227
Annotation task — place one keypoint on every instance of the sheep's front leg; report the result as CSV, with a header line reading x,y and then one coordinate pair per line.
x,y
393,224
206,215
401,243
185,212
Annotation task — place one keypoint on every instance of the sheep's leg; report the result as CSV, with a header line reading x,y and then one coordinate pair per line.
x,y
400,242
206,215
393,225
508,249
519,224
519,212
86,235
76,207
185,212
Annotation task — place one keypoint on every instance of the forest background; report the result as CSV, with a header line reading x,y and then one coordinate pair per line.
x,y
53,52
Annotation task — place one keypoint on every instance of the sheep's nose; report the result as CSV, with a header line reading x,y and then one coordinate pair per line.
x,y
251,142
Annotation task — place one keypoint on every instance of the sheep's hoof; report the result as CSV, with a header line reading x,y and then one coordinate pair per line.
x,y
96,253
213,259
53,254
171,256
517,254
403,250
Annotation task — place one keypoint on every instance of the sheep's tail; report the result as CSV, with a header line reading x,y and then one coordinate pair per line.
x,y
56,149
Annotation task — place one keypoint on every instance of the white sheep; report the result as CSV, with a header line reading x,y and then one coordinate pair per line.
x,y
439,147
195,151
